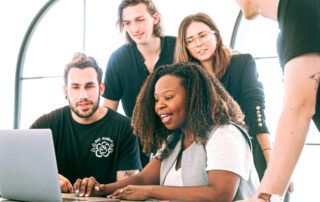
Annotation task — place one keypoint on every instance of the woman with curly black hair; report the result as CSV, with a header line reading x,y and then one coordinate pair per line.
x,y
196,129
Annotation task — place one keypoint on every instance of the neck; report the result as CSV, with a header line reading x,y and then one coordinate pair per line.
x,y
208,65
269,8
150,49
99,114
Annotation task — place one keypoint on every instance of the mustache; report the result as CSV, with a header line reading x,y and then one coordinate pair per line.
x,y
85,101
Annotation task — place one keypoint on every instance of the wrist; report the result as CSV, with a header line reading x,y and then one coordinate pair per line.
x,y
270,197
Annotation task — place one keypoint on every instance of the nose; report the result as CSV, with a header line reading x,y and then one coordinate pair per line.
x,y
160,105
83,93
135,27
198,41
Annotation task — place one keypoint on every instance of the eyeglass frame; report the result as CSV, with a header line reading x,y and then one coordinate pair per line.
x,y
199,39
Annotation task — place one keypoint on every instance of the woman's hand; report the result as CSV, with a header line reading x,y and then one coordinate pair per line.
x,y
88,187
132,192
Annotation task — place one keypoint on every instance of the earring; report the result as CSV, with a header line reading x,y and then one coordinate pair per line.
x,y
66,97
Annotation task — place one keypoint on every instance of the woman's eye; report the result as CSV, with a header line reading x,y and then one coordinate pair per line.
x,y
203,35
189,40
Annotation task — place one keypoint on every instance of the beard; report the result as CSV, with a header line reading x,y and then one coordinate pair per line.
x,y
86,113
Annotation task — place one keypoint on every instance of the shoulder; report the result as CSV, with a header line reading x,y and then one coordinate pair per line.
x,y
170,39
118,120
227,149
241,58
48,119
227,135
117,116
168,43
242,62
122,52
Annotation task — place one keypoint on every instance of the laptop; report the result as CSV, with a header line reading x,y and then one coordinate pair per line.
x,y
28,168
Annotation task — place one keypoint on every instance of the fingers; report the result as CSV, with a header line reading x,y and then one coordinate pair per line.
x,y
90,186
65,184
83,186
77,184
122,193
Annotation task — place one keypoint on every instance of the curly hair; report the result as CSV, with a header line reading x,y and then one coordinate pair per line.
x,y
222,56
207,104
151,8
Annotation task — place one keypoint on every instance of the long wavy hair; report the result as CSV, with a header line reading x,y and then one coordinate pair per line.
x,y
151,8
222,56
207,104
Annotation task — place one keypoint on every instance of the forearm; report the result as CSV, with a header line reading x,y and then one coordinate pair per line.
x,y
290,138
265,144
133,180
188,193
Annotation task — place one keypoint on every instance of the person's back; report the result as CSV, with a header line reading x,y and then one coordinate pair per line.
x,y
146,49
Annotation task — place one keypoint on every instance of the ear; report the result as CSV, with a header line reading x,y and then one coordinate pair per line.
x,y
101,88
156,18
65,90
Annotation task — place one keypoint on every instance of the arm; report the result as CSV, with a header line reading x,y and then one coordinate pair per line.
x,y
112,104
228,156
222,186
126,173
265,144
251,99
298,108
149,175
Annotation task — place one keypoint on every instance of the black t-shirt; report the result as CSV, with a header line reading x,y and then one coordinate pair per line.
x,y
126,72
299,24
99,149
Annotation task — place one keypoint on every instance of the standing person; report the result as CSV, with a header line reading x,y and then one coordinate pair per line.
x,y
199,40
89,140
185,116
145,50
299,54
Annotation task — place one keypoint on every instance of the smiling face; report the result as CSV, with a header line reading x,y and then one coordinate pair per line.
x,y
170,98
203,50
83,92
139,23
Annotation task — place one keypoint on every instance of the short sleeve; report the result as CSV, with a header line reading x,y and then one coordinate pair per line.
x,y
129,153
112,81
228,150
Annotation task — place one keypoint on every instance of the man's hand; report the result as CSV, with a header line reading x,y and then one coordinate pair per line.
x,y
65,184
88,187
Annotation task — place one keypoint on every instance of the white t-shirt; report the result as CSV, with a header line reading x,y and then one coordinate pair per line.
x,y
174,177
227,149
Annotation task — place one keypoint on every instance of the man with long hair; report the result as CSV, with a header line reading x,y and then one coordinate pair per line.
x,y
145,50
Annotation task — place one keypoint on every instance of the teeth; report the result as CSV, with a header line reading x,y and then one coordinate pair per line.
x,y
163,115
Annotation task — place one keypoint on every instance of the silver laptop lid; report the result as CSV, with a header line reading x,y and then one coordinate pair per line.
x,y
28,168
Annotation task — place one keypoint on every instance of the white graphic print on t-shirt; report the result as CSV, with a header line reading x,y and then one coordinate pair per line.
x,y
102,147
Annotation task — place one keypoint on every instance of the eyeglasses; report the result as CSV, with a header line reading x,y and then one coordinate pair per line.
x,y
202,37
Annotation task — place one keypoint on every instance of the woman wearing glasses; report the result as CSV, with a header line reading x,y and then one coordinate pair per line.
x,y
199,41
